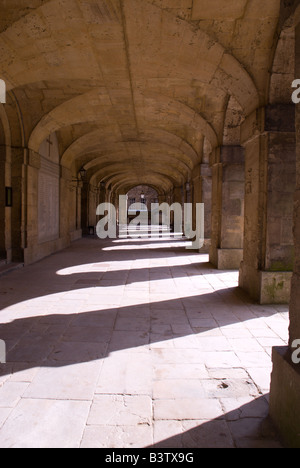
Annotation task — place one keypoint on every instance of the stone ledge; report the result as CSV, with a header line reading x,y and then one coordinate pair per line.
x,y
284,396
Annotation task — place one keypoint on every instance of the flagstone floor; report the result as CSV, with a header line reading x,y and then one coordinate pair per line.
x,y
134,343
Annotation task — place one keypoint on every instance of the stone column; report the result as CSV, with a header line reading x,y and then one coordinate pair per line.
x,y
32,171
178,197
196,191
19,208
93,199
285,381
228,181
5,211
202,187
64,207
78,206
269,139
188,189
206,192
84,207
2,203
74,207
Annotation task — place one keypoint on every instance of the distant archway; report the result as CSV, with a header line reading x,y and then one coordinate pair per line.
x,y
143,196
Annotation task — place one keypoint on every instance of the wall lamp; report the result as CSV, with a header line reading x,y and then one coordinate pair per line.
x,y
81,175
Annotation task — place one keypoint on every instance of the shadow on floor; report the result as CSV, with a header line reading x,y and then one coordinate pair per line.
x,y
39,338
248,426
49,339
57,339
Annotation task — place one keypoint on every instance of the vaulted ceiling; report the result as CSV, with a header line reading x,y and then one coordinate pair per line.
x,y
133,88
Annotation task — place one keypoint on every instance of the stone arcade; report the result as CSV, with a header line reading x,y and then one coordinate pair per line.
x,y
191,98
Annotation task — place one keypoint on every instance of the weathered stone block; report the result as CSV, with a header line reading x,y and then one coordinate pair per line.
x,y
284,396
229,259
275,287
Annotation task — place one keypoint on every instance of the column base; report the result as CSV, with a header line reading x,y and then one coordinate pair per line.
x,y
226,259
206,247
284,397
266,287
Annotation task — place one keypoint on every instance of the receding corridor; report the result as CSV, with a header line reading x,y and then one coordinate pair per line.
x,y
134,343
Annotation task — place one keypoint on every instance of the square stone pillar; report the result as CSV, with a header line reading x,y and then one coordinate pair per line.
x,y
65,202
206,186
3,254
74,206
178,195
85,207
285,381
32,169
228,187
270,164
202,187
19,208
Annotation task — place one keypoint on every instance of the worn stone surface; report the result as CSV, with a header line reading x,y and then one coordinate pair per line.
x,y
284,405
186,364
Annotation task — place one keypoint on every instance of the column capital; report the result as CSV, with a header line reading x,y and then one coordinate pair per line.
x,y
271,118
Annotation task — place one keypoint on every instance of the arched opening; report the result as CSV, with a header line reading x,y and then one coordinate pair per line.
x,y
143,197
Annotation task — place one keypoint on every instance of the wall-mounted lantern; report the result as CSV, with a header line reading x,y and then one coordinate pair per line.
x,y
82,174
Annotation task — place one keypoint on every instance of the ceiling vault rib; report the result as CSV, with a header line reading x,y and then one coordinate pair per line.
x,y
126,44
142,86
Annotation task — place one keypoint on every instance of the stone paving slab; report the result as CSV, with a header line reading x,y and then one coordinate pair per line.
x,y
45,423
114,347
65,382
